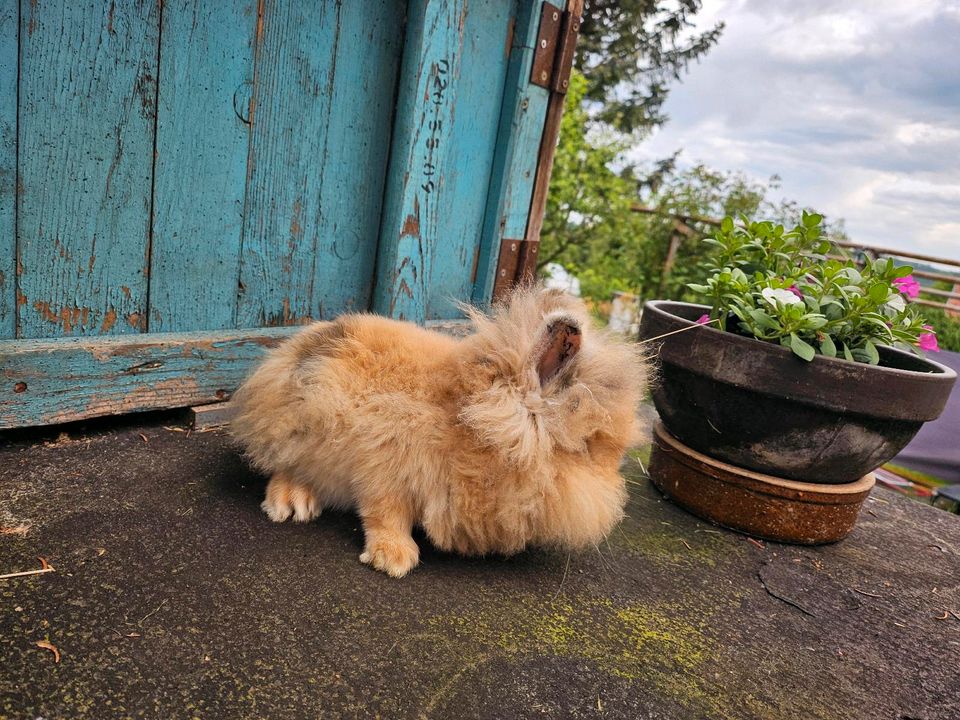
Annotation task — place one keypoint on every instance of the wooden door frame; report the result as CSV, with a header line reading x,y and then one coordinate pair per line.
x,y
517,256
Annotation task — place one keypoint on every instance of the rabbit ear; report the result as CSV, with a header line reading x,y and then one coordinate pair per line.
x,y
558,347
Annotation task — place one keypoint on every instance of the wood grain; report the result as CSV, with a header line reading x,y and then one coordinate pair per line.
x,y
515,162
448,107
86,128
9,28
206,75
323,93
52,381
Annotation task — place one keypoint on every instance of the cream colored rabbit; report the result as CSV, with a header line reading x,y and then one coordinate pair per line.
x,y
508,437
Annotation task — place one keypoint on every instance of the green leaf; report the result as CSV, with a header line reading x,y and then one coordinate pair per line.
x,y
827,347
801,348
847,354
873,357
763,320
878,292
902,271
727,224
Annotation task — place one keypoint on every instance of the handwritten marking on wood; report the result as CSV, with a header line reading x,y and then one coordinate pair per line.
x,y
86,115
451,89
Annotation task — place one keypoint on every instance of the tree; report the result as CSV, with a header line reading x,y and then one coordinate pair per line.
x,y
631,50
592,226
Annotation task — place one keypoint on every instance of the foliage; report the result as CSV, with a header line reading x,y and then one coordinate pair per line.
x,y
592,226
777,285
589,226
631,50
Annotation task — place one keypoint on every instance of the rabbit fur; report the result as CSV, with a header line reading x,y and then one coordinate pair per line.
x,y
511,436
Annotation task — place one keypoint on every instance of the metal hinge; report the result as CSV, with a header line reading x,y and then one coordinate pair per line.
x,y
552,64
556,43
518,259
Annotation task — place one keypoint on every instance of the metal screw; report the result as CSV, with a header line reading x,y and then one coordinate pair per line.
x,y
576,26
543,44
565,83
513,247
525,104
543,76
503,273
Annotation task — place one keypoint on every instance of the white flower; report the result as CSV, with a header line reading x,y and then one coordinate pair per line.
x,y
784,297
897,303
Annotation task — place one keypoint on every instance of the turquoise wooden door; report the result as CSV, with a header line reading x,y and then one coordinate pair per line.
x,y
182,183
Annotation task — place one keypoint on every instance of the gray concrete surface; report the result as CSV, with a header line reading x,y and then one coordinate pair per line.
x,y
173,596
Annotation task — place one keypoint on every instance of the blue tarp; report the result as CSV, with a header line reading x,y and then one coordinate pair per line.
x,y
936,448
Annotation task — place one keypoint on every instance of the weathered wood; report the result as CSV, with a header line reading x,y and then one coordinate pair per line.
x,y
323,90
86,126
206,72
9,28
43,382
896,253
515,163
451,91
52,381
548,148
203,417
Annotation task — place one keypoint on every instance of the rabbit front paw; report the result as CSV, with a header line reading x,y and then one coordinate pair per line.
x,y
285,498
393,554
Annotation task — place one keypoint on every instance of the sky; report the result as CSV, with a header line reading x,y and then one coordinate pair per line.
x,y
855,104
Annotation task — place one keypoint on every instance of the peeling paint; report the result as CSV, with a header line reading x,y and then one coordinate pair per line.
x,y
109,320
411,227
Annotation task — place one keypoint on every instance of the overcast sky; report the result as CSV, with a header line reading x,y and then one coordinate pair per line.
x,y
854,103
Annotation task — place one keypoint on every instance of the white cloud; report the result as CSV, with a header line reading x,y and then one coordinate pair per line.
x,y
854,103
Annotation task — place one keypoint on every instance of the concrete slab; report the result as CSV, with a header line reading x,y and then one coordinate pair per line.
x,y
175,597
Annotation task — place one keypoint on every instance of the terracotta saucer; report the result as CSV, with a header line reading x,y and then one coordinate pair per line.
x,y
762,505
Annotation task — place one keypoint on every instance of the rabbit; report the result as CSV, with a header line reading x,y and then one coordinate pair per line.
x,y
510,437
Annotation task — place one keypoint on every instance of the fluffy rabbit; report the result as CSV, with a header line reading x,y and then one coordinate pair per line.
x,y
511,436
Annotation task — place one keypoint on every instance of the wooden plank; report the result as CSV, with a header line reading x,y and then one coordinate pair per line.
x,y
548,148
204,417
9,28
448,106
515,163
86,128
323,95
52,381
43,382
206,73
897,253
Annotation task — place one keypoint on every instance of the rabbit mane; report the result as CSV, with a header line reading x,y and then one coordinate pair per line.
x,y
526,419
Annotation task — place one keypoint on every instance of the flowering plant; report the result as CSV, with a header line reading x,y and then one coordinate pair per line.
x,y
778,285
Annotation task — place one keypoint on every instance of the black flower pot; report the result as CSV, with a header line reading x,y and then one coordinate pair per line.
x,y
756,405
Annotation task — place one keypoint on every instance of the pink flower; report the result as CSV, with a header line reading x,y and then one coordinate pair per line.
x,y
796,291
908,286
928,340
703,320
